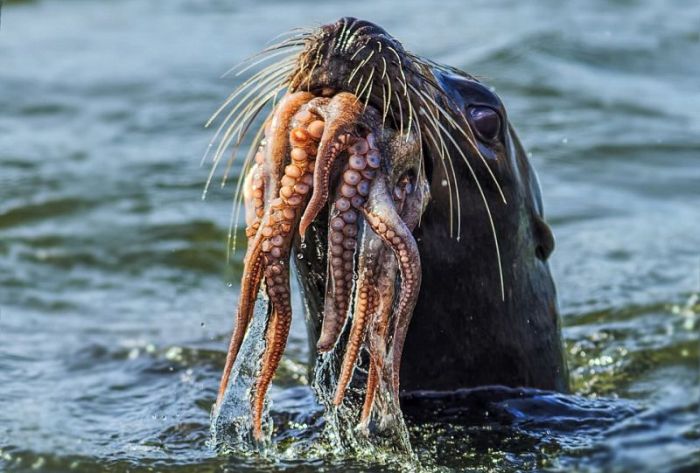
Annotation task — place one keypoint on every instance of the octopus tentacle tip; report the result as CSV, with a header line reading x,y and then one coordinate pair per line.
x,y
324,344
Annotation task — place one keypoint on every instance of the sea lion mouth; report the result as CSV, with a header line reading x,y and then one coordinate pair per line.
x,y
359,125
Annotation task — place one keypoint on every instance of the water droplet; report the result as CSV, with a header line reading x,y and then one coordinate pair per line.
x,y
444,183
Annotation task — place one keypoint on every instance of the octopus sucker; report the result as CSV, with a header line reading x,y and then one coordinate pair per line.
x,y
351,196
365,306
277,235
379,277
254,193
277,142
342,114
383,218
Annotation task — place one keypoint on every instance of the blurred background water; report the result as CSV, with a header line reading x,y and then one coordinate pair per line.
x,y
116,299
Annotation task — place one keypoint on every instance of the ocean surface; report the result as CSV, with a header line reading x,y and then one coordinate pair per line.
x,y
117,298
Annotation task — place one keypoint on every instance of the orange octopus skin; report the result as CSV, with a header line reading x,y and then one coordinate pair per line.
x,y
275,156
365,306
385,285
397,235
254,194
342,243
277,233
341,114
377,270
366,298
284,192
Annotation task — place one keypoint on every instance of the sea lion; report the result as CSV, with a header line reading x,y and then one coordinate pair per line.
x,y
401,192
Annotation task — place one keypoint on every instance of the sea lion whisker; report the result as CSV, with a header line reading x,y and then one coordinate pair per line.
x,y
403,75
369,92
226,140
253,105
256,85
398,100
300,69
359,84
247,116
237,196
241,134
359,50
487,207
471,140
341,36
422,75
300,32
254,95
359,66
385,104
434,119
254,80
265,51
389,97
337,37
316,63
296,35
445,157
442,160
410,116
405,91
267,54
269,82
368,83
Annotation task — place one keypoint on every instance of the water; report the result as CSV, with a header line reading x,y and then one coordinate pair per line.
x,y
116,299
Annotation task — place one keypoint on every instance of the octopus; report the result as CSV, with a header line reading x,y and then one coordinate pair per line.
x,y
331,151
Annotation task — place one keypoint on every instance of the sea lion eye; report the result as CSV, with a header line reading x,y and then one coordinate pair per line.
x,y
485,121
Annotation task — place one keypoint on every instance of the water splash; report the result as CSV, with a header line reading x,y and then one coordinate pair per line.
x,y
386,436
385,440
231,423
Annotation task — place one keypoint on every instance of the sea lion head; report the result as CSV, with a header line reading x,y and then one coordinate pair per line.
x,y
415,176
461,124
